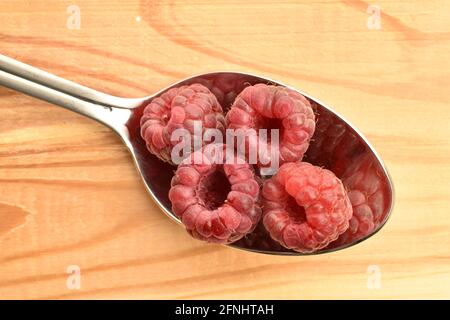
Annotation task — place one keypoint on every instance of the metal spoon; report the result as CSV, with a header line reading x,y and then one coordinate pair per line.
x,y
336,145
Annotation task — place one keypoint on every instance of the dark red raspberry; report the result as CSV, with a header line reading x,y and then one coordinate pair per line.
x,y
259,239
274,107
179,108
334,144
368,196
305,207
216,202
225,87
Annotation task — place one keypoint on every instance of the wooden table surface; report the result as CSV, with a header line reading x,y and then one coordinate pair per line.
x,y
71,198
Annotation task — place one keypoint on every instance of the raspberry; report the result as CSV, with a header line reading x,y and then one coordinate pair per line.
x,y
216,201
368,196
274,107
305,207
333,144
260,240
179,108
225,87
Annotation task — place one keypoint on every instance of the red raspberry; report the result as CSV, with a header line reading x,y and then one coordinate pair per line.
x,y
274,107
333,144
225,87
368,196
259,239
179,108
216,202
305,207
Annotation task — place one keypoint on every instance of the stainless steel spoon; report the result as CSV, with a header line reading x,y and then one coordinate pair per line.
x,y
336,145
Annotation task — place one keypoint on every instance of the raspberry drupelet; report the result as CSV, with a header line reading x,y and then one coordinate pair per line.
x,y
216,201
175,109
305,207
275,107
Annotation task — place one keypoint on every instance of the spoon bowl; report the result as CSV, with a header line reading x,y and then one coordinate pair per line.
x,y
336,144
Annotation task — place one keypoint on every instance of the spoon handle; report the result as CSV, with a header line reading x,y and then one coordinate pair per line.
x,y
115,118
28,72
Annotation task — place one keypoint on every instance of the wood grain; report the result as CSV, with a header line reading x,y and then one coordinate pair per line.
x,y
69,194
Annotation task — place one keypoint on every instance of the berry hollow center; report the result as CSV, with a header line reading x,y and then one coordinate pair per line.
x,y
296,212
213,189
165,117
270,124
